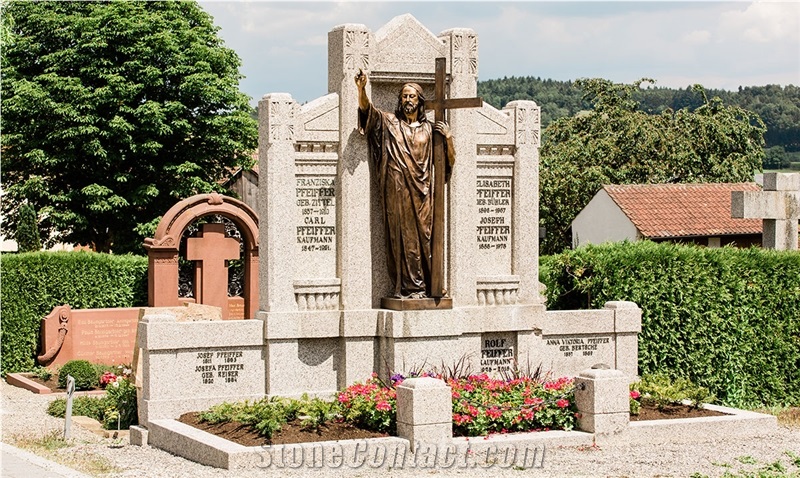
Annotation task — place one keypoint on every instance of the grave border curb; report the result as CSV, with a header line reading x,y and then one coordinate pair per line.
x,y
207,449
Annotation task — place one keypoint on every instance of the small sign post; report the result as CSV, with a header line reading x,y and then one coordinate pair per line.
x,y
68,413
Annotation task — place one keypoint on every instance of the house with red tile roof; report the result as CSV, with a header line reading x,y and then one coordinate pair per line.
x,y
686,213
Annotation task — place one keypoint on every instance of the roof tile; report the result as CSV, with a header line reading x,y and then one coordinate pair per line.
x,y
683,210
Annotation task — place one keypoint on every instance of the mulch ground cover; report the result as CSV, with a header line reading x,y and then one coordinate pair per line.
x,y
293,432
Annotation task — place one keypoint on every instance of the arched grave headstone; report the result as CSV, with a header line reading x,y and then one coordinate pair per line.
x,y
209,250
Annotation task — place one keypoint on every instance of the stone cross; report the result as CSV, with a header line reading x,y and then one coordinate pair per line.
x,y
778,205
439,104
211,249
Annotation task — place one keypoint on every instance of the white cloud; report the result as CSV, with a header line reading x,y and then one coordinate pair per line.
x,y
762,22
696,37
718,44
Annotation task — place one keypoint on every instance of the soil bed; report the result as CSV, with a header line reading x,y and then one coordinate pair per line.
x,y
52,384
672,411
292,432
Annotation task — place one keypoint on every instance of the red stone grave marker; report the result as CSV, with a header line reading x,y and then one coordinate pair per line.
x,y
210,250
105,336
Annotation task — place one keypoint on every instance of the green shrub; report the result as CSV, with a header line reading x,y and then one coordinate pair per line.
x,y
34,283
726,319
794,166
121,410
28,239
117,409
662,390
266,416
315,412
84,406
84,373
42,373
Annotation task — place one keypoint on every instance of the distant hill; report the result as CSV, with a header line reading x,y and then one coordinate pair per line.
x,y
778,107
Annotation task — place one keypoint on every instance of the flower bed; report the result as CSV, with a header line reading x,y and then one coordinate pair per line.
x,y
481,405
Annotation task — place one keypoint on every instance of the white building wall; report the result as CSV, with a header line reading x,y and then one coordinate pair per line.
x,y
602,221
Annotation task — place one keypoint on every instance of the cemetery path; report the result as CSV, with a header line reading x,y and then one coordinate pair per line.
x,y
25,424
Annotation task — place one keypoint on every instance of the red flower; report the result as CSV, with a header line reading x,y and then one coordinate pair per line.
x,y
635,394
461,419
562,403
107,378
383,406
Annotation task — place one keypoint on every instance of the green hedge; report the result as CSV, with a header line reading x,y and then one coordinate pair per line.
x,y
727,319
34,283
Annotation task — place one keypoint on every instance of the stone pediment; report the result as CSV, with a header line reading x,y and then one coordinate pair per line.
x,y
403,44
319,120
322,114
489,120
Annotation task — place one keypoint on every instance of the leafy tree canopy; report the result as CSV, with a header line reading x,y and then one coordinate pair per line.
x,y
28,239
112,112
618,143
778,106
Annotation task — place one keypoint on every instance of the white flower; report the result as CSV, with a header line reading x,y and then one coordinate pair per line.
x,y
116,384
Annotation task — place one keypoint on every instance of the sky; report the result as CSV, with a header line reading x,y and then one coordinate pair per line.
x,y
718,44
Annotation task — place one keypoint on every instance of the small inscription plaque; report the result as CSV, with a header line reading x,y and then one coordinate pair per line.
x,y
235,308
497,353
579,346
316,202
494,213
220,367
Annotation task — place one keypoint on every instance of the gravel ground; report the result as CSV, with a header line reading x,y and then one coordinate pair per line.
x,y
24,419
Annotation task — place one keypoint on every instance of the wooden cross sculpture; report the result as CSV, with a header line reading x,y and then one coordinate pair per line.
x,y
439,104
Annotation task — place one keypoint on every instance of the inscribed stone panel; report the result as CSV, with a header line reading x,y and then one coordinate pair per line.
x,y
498,352
493,201
315,204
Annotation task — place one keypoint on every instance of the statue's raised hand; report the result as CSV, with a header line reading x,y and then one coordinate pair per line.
x,y
361,78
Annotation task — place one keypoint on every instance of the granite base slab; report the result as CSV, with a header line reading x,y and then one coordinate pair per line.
x,y
427,303
391,452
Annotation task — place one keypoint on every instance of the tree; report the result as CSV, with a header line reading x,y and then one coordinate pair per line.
x,y
114,111
28,239
776,158
617,143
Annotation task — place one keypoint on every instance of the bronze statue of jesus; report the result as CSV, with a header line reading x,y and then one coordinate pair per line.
x,y
401,147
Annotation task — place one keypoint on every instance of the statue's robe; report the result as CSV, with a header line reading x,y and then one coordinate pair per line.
x,y
403,157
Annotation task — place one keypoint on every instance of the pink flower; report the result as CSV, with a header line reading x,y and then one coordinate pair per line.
x,y
494,412
562,403
635,394
108,378
383,406
461,419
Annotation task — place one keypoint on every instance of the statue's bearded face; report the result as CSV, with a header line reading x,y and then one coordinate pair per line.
x,y
409,99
